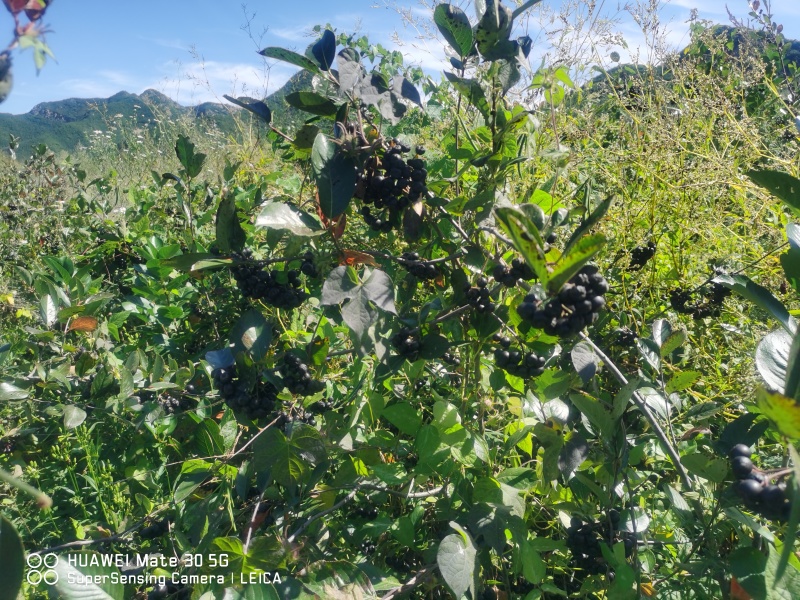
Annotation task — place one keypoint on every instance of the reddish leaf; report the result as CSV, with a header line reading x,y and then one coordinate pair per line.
x,y
354,257
738,592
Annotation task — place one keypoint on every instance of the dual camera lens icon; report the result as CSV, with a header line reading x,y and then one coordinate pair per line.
x,y
41,569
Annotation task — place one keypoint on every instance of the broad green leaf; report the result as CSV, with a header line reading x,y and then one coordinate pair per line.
x,y
196,261
403,416
623,398
493,30
534,568
779,184
342,284
455,27
335,174
572,455
8,391
584,360
772,359
379,288
230,235
193,473
311,102
792,386
782,411
74,583
290,57
760,296
191,161
672,342
287,217
12,567
351,71
456,559
681,381
597,414
324,50
258,108
569,264
73,416
252,333
527,240
473,92
305,136
713,469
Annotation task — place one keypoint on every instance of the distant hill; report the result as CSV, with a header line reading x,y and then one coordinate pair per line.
x,y
65,125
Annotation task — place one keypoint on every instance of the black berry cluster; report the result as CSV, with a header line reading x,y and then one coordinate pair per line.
x,y
155,530
366,512
392,185
451,359
624,337
576,306
754,487
641,254
407,342
256,405
509,276
683,301
307,267
171,404
514,362
8,445
368,548
297,376
321,406
285,418
419,268
255,282
583,541
478,296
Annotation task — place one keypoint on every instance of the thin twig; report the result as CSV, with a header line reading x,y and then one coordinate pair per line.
x,y
319,515
252,524
642,406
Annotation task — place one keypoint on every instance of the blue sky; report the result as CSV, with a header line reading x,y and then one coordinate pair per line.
x,y
196,50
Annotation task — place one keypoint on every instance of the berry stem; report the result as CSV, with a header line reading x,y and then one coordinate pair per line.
x,y
640,404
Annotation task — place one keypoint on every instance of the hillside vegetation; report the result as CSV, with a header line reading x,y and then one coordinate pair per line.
x,y
395,336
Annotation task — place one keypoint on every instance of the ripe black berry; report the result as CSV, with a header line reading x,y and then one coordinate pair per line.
x,y
740,450
741,467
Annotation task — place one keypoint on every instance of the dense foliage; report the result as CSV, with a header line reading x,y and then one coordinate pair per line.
x,y
463,347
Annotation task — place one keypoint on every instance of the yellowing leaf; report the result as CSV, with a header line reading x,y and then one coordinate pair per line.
x,y
782,411
7,299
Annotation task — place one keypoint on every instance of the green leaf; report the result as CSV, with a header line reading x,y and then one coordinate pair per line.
x,y
779,184
598,213
252,333
289,460
493,30
772,359
12,567
192,162
597,414
258,108
681,381
403,416
342,284
282,216
290,57
713,469
311,102
193,473
527,240
335,174
569,264
380,290
455,27
456,559
584,360
324,50
196,261
782,411
230,235
8,391
73,416
760,296
792,386
473,92
81,583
